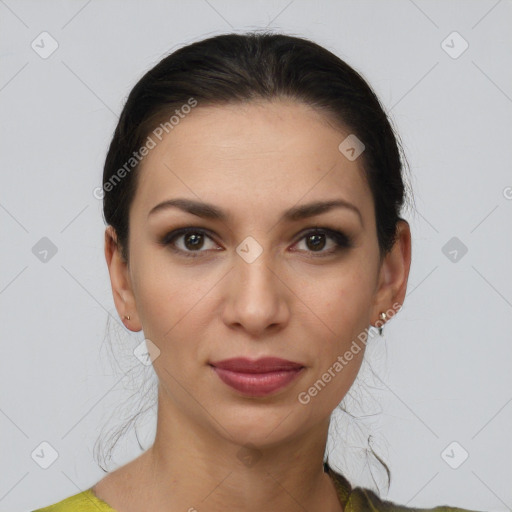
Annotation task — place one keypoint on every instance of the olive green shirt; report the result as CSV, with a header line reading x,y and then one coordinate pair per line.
x,y
352,499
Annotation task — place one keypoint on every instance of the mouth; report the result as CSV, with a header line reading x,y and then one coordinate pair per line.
x,y
257,378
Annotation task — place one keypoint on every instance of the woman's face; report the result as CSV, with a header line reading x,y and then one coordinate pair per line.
x,y
258,282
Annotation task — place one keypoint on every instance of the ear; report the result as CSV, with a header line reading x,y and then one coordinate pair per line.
x,y
393,276
120,280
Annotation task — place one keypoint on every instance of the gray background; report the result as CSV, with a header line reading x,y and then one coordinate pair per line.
x,y
443,365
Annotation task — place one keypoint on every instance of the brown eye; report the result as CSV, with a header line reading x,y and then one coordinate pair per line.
x,y
315,241
193,240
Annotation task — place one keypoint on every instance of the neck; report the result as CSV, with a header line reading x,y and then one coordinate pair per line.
x,y
192,468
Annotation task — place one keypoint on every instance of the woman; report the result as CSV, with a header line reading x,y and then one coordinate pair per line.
x,y
252,191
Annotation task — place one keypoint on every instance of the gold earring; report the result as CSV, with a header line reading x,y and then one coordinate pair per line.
x,y
383,317
127,317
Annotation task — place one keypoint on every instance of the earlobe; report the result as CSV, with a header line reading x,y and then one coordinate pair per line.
x,y
120,282
394,275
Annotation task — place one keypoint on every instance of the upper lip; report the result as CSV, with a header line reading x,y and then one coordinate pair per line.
x,y
262,365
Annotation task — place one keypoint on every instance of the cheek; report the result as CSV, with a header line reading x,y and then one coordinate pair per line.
x,y
172,302
167,294
344,302
343,305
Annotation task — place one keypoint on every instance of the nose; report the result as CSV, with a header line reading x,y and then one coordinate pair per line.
x,y
258,299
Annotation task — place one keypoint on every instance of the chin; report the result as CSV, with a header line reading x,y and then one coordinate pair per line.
x,y
258,424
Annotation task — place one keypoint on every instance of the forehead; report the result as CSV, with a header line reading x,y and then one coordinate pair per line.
x,y
260,153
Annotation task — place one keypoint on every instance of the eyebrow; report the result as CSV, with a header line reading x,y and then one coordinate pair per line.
x,y
210,211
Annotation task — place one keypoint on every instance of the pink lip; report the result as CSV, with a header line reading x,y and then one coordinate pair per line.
x,y
257,378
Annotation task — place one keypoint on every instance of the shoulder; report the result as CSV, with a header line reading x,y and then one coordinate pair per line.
x,y
361,500
365,499
85,501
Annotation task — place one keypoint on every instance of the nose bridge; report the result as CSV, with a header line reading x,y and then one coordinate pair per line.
x,y
255,267
258,295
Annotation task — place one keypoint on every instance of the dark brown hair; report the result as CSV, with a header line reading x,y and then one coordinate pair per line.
x,y
233,68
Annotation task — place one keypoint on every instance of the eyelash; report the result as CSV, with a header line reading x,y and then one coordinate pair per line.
x,y
341,240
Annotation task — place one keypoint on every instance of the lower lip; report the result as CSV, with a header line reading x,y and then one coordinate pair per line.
x,y
257,384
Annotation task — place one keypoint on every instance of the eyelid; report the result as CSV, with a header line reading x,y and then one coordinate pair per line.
x,y
174,233
339,237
